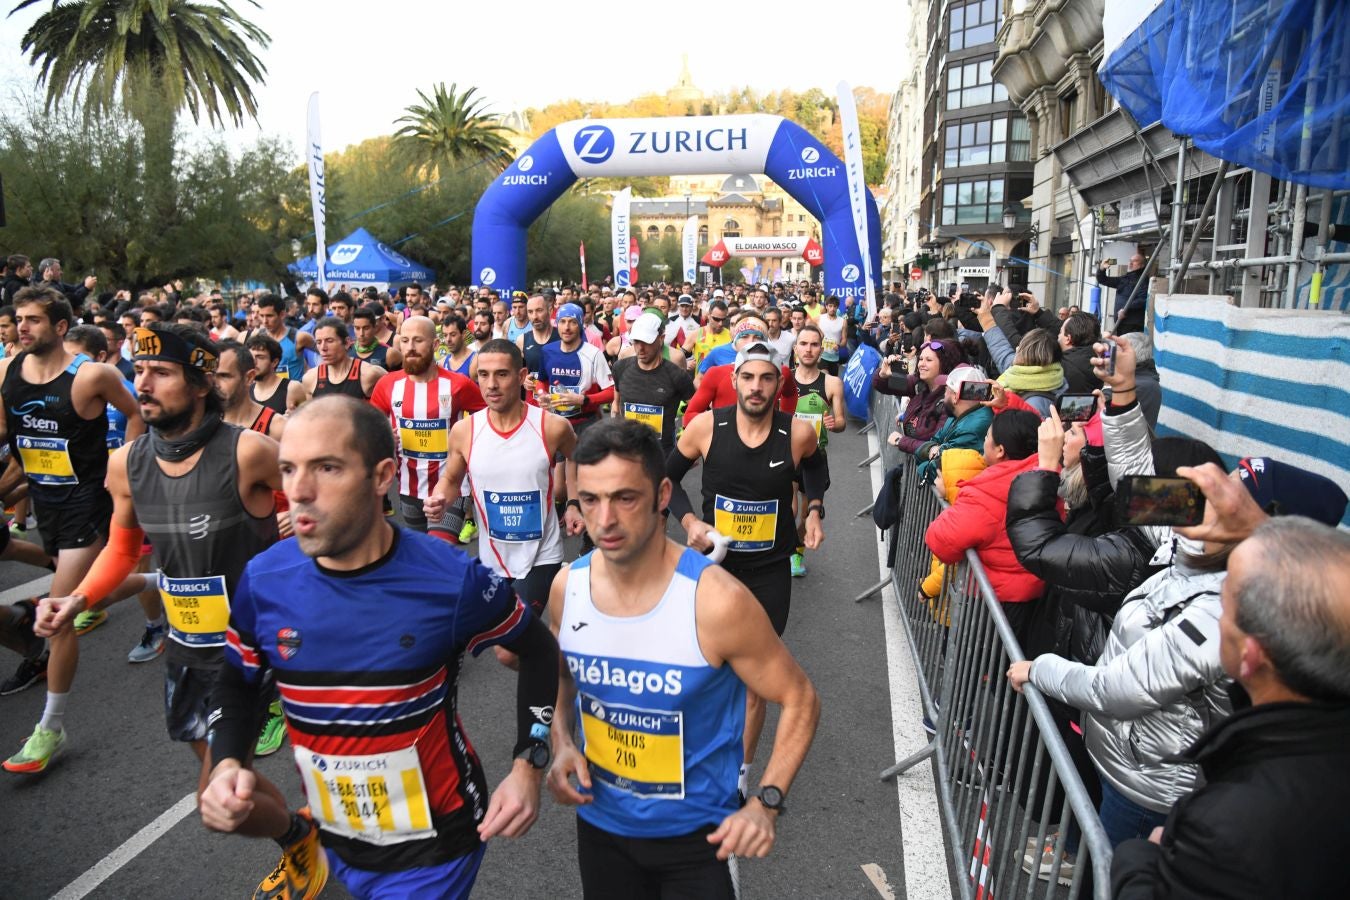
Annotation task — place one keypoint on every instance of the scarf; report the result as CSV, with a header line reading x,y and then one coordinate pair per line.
x,y
1032,378
188,444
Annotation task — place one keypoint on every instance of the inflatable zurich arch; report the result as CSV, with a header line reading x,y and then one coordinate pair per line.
x,y
689,145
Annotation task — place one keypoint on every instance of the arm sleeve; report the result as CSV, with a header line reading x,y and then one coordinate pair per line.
x,y
1006,320
597,397
233,723
537,684
703,397
1108,280
1016,402
491,613
115,561
677,466
815,476
788,393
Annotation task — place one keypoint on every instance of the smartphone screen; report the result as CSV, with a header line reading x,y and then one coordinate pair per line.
x,y
1109,354
1076,407
979,391
1150,500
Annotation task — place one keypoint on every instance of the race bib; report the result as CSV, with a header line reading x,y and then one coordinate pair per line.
x,y
829,348
198,609
647,413
514,518
423,438
637,751
380,798
816,420
751,524
46,460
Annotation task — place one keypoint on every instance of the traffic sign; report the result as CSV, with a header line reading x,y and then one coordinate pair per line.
x,y
915,274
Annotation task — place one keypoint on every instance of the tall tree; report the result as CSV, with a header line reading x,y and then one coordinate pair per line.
x,y
450,127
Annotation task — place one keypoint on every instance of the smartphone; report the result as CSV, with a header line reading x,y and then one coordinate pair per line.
x,y
979,391
1150,500
1109,354
1076,407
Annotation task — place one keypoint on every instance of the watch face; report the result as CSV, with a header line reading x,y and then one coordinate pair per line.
x,y
539,756
771,797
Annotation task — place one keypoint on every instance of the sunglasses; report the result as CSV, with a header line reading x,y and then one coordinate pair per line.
x,y
932,345
718,318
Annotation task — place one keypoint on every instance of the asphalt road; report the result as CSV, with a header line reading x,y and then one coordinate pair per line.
x,y
120,773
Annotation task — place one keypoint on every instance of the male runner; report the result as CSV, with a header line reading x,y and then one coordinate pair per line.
x,y
717,385
681,326
271,388
56,421
394,784
820,403
781,341
661,646
519,323
574,372
201,491
459,357
316,307
340,307
422,403
751,452
713,335
236,370
508,450
366,344
338,373
647,387
541,333
832,335
272,322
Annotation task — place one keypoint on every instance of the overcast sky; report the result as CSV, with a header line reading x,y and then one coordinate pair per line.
x,y
368,59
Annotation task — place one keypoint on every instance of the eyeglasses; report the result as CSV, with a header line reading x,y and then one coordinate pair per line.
x,y
932,345
718,318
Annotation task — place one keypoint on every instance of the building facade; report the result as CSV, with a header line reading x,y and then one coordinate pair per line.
x,y
901,250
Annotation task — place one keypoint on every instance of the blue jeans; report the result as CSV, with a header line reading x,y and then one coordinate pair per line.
x,y
1123,818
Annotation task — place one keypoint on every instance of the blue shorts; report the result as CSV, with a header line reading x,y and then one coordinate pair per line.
x,y
448,881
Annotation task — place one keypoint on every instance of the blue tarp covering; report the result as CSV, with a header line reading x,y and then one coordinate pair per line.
x,y
1244,79
360,258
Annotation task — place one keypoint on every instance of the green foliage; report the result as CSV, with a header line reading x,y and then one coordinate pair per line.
x,y
85,202
448,127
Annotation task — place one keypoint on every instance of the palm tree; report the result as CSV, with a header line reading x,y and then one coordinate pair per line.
x,y
452,127
156,57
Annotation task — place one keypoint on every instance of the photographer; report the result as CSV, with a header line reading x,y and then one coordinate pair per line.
x,y
927,386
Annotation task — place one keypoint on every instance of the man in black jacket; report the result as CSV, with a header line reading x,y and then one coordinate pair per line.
x,y
1130,310
20,275
50,270
1271,816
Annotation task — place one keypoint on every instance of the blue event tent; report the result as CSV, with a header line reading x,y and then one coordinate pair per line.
x,y
359,260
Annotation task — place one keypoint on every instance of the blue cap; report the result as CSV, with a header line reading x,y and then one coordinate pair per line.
x,y
571,311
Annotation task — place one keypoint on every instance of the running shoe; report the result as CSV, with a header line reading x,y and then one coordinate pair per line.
x,y
89,620
798,566
468,532
302,871
273,732
37,752
150,647
27,674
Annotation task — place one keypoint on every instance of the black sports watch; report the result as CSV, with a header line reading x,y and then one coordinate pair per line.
x,y
538,755
819,508
772,798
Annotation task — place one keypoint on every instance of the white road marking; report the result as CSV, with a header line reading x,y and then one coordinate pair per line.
x,y
921,835
105,868
877,876
36,588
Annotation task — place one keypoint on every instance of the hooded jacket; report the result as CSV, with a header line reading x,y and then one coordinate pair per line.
x,y
1158,685
1269,821
976,521
964,432
1087,564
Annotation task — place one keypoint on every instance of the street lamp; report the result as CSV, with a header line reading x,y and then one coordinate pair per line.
x,y
687,196
1009,219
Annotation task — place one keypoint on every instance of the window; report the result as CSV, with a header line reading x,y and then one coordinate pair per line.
x,y
985,141
732,228
668,232
1068,114
972,84
977,201
972,24
653,233
703,235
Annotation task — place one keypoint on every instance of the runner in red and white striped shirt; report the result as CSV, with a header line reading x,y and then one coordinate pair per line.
x,y
422,402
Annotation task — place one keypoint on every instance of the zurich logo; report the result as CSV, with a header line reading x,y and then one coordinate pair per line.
x,y
621,277
525,163
487,276
849,273
810,156
319,762
594,144
728,506
494,498
598,711
344,253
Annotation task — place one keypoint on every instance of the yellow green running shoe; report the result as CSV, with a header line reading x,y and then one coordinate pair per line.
x,y
273,732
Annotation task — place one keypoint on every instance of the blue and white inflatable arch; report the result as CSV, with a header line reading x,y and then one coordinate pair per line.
x,y
690,145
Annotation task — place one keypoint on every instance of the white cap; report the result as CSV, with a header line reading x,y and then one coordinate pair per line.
x,y
757,352
961,374
646,328
718,293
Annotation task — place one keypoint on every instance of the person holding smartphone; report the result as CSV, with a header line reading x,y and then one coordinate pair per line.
x,y
927,388
966,424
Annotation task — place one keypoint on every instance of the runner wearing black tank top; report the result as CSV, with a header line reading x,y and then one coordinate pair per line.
x,y
750,452
338,373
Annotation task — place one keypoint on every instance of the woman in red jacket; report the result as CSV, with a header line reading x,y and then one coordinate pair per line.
x,y
976,521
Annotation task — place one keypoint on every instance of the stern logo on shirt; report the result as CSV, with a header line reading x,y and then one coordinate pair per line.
x,y
288,642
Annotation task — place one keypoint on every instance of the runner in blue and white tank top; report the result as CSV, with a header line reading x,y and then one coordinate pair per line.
x,y
661,646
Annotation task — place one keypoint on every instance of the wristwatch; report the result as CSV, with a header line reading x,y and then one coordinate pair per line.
x,y
819,508
538,755
772,798
573,502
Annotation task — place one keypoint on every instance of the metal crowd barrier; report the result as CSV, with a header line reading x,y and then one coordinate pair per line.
x,y
1007,787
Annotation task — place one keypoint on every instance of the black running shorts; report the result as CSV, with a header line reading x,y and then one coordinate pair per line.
x,y
772,586
81,520
187,699
676,868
